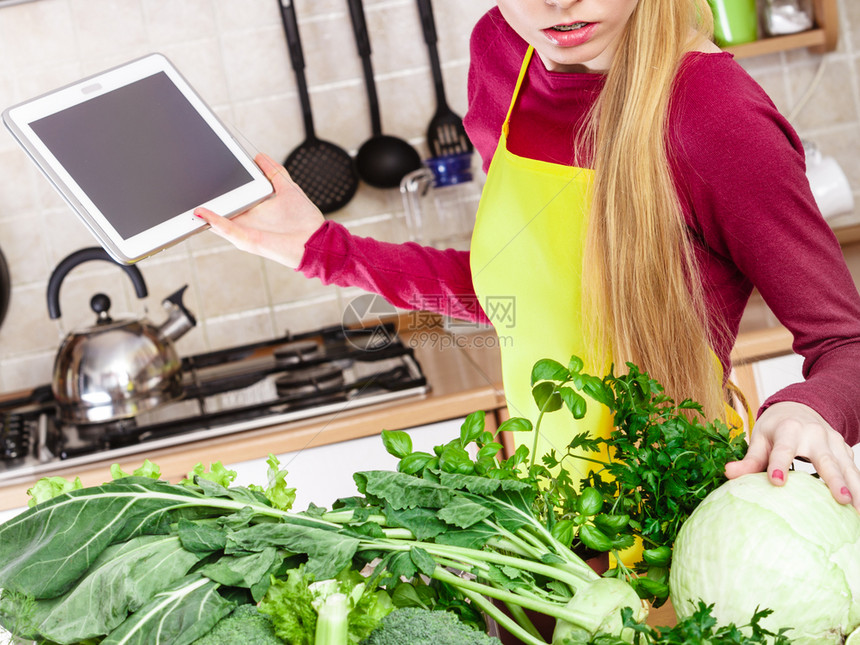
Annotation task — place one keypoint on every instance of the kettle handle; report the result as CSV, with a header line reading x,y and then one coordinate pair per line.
x,y
85,255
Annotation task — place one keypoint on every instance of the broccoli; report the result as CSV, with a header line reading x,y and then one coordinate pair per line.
x,y
244,626
417,626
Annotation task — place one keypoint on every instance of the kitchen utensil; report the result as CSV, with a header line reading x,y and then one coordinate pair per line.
x,y
383,160
5,287
116,368
440,201
324,171
445,134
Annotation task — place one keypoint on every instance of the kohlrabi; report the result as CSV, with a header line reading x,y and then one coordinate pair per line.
x,y
792,549
599,604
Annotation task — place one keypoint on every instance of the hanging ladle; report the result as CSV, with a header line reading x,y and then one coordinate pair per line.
x,y
324,171
383,160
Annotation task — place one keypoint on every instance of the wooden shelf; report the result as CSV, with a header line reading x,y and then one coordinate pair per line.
x,y
820,40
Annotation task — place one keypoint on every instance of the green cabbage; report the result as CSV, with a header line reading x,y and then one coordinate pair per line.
x,y
792,549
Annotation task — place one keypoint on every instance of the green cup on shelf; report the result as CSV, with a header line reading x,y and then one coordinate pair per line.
x,y
735,21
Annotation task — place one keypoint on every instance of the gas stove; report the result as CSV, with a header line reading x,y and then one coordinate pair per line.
x,y
224,392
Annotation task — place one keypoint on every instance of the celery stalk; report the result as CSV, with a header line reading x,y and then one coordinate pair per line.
x,y
333,621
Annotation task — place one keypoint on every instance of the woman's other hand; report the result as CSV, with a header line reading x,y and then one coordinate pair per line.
x,y
787,430
276,228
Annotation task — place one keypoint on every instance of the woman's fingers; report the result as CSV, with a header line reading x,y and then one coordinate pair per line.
x,y
273,171
226,228
788,430
755,461
782,452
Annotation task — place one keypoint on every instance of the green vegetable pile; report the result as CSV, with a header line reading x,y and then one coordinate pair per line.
x,y
460,531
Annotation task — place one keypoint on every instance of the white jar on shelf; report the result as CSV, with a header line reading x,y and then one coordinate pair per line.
x,y
781,17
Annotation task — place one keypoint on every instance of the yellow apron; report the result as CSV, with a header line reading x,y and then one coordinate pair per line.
x,y
526,262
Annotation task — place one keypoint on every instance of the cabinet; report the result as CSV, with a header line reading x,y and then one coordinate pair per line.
x,y
323,474
820,40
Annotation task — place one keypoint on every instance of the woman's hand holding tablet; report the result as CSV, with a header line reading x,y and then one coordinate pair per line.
x,y
134,150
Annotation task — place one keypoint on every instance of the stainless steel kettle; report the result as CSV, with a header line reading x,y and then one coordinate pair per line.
x,y
116,368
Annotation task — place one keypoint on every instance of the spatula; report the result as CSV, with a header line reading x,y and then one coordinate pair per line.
x,y
445,134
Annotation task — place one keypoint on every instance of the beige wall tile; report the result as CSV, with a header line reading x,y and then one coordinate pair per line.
x,y
254,64
169,22
27,330
52,20
19,185
288,286
239,329
245,15
849,12
229,281
831,105
27,371
307,316
21,239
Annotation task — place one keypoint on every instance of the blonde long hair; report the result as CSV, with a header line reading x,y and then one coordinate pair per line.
x,y
645,295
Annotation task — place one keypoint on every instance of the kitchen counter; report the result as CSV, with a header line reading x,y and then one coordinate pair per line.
x,y
462,370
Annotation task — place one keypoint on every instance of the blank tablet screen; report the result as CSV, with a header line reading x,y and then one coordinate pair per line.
x,y
142,153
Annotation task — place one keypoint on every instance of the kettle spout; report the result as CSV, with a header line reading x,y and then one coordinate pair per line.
x,y
179,319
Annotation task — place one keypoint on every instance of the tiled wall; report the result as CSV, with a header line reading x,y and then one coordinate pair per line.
x,y
234,53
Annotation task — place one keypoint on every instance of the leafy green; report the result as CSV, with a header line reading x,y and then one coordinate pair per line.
x,y
121,579
663,460
289,604
147,469
298,605
277,492
49,487
217,473
328,551
41,557
701,627
178,615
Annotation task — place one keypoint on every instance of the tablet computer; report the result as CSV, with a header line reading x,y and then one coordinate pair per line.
x,y
134,150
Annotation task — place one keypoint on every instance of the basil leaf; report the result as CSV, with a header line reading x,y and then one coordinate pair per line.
x,y
546,398
549,370
574,401
472,427
516,424
397,443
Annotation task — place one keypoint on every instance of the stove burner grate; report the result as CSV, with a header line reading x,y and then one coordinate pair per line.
x,y
14,439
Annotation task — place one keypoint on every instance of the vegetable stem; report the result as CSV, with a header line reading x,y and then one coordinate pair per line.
x,y
561,613
504,621
472,557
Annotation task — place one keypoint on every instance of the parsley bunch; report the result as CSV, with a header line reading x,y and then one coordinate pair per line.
x,y
664,459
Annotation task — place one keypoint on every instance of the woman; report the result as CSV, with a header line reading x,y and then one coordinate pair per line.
x,y
639,185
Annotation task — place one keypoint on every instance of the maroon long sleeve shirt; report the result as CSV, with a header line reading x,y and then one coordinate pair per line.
x,y
739,170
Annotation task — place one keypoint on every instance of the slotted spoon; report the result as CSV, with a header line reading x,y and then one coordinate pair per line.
x,y
323,170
